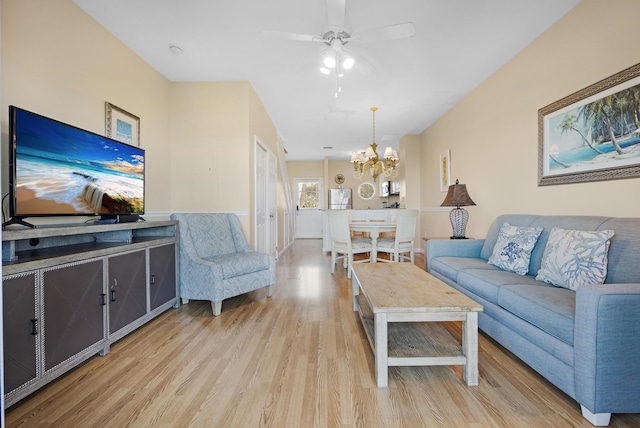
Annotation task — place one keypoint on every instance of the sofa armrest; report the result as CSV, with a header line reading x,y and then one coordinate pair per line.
x,y
452,248
606,348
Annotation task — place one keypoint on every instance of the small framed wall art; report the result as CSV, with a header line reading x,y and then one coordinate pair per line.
x,y
121,125
445,170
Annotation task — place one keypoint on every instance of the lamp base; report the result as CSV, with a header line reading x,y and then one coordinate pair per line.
x,y
459,217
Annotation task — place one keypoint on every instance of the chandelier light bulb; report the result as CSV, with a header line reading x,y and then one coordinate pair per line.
x,y
325,70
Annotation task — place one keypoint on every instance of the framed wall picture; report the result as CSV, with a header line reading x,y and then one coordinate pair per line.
x,y
593,134
121,125
445,170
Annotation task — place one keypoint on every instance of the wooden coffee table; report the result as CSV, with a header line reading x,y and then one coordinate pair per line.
x,y
400,303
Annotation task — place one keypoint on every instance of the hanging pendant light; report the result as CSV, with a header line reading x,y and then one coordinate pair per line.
x,y
368,162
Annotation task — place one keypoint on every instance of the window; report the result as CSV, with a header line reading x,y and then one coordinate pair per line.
x,y
308,195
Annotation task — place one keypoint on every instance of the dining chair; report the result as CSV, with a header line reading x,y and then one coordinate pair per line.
x,y
357,217
403,242
343,243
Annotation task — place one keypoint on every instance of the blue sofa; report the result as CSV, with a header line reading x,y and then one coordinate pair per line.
x,y
586,342
215,261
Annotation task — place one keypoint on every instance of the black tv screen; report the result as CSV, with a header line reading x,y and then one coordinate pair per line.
x,y
58,169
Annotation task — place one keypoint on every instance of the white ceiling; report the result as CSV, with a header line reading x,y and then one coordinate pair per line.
x,y
457,44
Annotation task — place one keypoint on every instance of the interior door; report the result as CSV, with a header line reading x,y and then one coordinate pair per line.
x,y
308,220
272,204
261,188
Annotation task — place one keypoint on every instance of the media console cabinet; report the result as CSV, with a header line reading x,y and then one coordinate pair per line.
x,y
69,292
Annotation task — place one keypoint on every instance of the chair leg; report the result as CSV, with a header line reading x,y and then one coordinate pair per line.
x,y
216,307
333,262
349,264
269,290
185,301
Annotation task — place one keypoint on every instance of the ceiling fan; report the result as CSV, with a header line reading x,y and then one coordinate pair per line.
x,y
337,57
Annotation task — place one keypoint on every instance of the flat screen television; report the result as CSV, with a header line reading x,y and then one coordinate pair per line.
x,y
56,169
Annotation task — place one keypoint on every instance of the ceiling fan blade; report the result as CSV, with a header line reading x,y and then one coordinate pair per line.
x,y
389,32
291,36
363,65
335,12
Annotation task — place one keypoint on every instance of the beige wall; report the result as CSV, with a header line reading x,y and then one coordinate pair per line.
x,y
58,62
199,137
328,169
209,133
493,136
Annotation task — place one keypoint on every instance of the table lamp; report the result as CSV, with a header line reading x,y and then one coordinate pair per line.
x,y
457,196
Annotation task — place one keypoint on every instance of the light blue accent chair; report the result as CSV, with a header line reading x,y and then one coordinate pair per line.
x,y
215,261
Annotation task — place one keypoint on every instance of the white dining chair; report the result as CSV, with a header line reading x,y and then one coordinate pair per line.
x,y
343,243
403,242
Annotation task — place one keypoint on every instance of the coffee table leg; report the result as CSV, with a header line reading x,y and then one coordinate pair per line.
x,y
470,348
382,350
355,291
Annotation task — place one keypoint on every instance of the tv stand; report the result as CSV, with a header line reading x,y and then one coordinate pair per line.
x,y
120,218
87,286
18,220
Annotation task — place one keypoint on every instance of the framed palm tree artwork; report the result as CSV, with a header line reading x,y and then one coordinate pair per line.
x,y
593,134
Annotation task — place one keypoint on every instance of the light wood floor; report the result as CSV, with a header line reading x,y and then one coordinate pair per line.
x,y
298,359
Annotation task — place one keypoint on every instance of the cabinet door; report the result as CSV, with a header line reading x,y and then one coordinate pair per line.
x,y
73,310
162,275
20,328
127,289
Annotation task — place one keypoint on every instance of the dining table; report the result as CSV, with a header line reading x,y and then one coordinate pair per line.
x,y
374,230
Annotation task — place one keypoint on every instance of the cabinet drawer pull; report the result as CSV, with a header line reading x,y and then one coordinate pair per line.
x,y
104,299
153,279
113,295
34,327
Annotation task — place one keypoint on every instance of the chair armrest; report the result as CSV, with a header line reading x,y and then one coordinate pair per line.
x,y
200,269
452,248
606,348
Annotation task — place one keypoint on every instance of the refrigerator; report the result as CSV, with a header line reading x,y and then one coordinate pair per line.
x,y
339,199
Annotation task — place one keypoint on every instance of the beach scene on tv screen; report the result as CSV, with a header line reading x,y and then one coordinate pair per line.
x,y
64,170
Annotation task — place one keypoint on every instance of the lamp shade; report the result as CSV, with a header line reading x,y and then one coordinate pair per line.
x,y
457,196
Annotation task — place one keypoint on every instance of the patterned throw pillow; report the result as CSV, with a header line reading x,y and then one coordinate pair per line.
x,y
513,248
574,257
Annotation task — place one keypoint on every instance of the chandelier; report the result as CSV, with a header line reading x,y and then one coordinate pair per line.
x,y
369,163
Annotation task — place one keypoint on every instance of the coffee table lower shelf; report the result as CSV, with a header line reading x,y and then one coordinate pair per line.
x,y
413,343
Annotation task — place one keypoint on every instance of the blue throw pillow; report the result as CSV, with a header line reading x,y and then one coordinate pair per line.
x,y
575,257
513,248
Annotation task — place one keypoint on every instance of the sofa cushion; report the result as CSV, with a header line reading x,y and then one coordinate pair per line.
x,y
574,257
241,263
551,309
512,251
487,282
450,266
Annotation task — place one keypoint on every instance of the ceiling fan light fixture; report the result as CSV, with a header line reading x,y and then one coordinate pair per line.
x,y
329,62
348,63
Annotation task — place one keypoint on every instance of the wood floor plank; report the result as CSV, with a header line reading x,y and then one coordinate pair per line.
x,y
299,358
